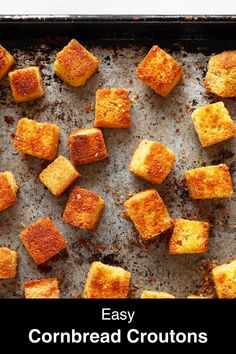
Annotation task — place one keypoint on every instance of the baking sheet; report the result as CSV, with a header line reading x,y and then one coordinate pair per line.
x,y
116,242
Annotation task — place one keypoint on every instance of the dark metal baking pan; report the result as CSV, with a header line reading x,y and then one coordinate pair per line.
x,y
120,42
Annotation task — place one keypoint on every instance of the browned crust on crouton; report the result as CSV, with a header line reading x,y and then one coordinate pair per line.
x,y
42,289
7,193
224,279
84,209
8,263
37,139
42,240
189,236
86,148
105,281
149,214
26,84
160,71
209,182
159,162
147,294
112,108
6,61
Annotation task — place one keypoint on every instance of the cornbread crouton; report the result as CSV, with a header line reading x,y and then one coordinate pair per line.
x,y
213,124
86,145
26,84
146,294
209,182
42,289
221,75
84,209
8,263
8,190
106,282
37,139
224,277
148,213
152,161
74,64
189,236
42,240
160,71
112,108
59,175
6,61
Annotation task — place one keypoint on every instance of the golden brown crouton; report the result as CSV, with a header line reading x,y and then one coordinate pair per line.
x,y
221,75
37,139
8,263
42,240
148,213
160,71
189,236
8,190
42,289
84,209
213,124
74,64
209,182
152,161
112,108
26,84
86,145
146,294
106,282
224,277
59,175
6,61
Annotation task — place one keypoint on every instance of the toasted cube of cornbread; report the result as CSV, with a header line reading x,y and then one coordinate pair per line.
x,y
59,175
84,209
189,236
42,240
152,161
148,213
112,108
37,139
6,61
224,277
8,190
42,289
86,145
26,84
221,75
209,182
106,282
74,64
8,263
213,124
146,294
160,71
